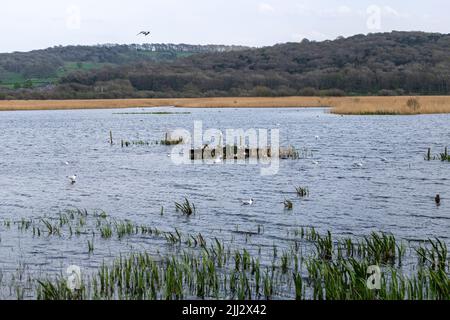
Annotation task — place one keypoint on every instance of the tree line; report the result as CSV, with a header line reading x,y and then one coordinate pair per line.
x,y
396,63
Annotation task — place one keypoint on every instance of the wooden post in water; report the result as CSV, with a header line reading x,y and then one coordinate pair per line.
x,y
110,137
429,154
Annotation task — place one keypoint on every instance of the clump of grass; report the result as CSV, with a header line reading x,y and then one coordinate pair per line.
x,y
187,208
428,156
288,205
324,246
51,229
126,143
444,156
413,104
58,290
302,191
381,248
106,231
171,142
90,246
124,228
435,255
298,281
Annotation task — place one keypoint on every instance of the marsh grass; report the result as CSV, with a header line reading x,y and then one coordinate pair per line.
x,y
215,272
90,246
443,156
302,192
340,105
171,142
186,208
126,143
288,205
389,105
232,102
313,266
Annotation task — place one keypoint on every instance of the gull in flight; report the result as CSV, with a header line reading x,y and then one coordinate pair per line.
x,y
248,202
73,178
145,33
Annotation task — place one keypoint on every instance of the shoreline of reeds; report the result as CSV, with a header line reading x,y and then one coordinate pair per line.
x,y
358,105
311,265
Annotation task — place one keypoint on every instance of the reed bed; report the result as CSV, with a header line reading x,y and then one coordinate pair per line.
x,y
150,113
311,265
215,272
390,105
225,102
372,105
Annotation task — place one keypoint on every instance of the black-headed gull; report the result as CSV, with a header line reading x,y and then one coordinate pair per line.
x,y
358,164
248,202
73,178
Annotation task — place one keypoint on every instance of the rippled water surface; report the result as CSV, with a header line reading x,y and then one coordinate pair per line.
x,y
393,191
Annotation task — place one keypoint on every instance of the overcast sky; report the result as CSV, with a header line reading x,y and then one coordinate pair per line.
x,y
27,25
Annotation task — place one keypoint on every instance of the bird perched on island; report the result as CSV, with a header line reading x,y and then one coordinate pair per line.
x,y
437,199
145,33
73,178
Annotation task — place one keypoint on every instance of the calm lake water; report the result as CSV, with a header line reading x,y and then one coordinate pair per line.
x,y
393,190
